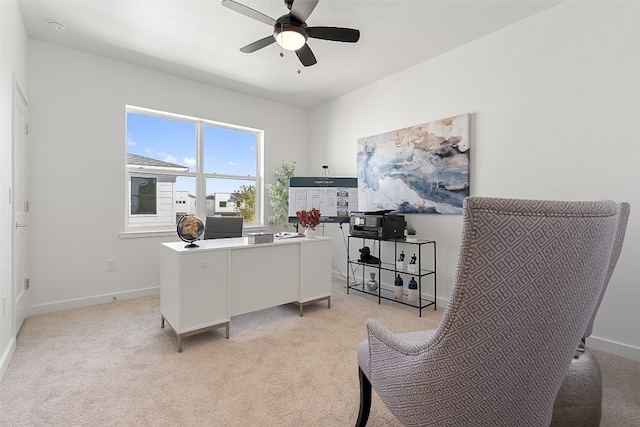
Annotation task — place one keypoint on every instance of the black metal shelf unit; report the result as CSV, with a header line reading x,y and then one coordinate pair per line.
x,y
419,272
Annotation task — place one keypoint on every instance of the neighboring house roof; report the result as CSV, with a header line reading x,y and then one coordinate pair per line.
x,y
142,162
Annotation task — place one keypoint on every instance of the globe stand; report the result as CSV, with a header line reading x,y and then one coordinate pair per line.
x,y
192,245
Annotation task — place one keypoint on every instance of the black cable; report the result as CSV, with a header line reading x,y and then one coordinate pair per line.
x,y
350,265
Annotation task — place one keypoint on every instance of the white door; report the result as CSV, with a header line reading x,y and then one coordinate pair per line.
x,y
20,207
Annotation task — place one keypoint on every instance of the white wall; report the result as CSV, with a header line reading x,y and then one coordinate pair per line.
x,y
78,159
13,68
555,104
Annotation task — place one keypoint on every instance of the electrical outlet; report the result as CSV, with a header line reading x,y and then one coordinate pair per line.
x,y
111,265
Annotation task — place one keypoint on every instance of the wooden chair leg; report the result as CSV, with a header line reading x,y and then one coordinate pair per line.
x,y
365,399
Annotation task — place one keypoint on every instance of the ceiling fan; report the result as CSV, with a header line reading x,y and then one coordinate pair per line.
x,y
291,32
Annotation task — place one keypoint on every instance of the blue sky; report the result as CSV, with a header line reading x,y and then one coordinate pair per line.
x,y
226,151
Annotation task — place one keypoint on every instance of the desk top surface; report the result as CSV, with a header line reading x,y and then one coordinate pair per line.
x,y
237,243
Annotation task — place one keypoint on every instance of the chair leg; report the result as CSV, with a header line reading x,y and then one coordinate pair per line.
x,y
365,399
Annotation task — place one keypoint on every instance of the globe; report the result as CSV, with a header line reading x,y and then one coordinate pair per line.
x,y
190,228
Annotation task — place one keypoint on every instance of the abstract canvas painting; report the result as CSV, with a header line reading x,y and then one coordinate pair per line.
x,y
419,169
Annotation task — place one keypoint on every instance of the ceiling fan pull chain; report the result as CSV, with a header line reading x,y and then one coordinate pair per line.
x,y
281,48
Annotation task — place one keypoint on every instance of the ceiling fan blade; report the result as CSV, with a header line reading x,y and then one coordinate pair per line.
x,y
306,56
259,44
335,34
301,9
247,11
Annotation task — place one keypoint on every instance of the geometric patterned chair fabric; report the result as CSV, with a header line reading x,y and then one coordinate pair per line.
x,y
528,278
579,400
623,218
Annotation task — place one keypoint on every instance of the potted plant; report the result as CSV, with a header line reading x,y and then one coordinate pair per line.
x,y
309,220
411,233
279,193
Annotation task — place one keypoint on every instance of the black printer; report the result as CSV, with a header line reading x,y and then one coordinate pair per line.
x,y
383,225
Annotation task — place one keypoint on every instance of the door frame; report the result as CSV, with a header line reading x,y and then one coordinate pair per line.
x,y
20,225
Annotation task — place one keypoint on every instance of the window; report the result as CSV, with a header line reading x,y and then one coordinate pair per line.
x,y
179,165
143,195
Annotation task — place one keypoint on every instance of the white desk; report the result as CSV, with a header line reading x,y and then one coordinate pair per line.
x,y
201,288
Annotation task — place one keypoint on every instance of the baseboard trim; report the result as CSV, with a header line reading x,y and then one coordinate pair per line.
x,y
6,357
94,300
613,347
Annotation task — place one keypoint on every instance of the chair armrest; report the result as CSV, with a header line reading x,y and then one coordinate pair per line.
x,y
409,344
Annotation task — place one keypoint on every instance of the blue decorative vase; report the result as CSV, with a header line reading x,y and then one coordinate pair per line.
x,y
412,294
399,286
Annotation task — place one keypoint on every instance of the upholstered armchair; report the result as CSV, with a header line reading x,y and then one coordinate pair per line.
x,y
528,279
579,401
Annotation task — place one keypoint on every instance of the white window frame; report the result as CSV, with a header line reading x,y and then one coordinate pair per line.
x,y
198,174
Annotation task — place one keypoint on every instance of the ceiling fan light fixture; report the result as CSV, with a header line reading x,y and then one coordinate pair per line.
x,y
291,32
290,37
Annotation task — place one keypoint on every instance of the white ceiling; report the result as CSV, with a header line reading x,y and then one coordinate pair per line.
x,y
200,39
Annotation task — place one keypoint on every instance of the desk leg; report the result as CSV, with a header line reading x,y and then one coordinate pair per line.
x,y
199,331
302,304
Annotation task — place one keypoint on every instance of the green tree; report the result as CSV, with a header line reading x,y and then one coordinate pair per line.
x,y
279,192
245,199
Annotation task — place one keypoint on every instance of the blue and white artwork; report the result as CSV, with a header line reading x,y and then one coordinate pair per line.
x,y
419,169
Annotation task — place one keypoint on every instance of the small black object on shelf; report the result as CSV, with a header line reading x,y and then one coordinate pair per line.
x,y
366,257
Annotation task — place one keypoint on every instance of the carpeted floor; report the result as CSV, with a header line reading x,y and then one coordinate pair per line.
x,y
113,365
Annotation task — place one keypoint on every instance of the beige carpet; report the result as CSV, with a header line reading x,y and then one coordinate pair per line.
x,y
113,365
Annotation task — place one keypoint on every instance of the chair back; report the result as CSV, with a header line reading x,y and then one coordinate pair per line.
x,y
223,227
623,219
529,276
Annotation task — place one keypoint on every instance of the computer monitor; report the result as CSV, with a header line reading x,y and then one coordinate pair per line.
x,y
221,227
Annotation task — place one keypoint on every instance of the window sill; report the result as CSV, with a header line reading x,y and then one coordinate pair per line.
x,y
131,234
147,233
